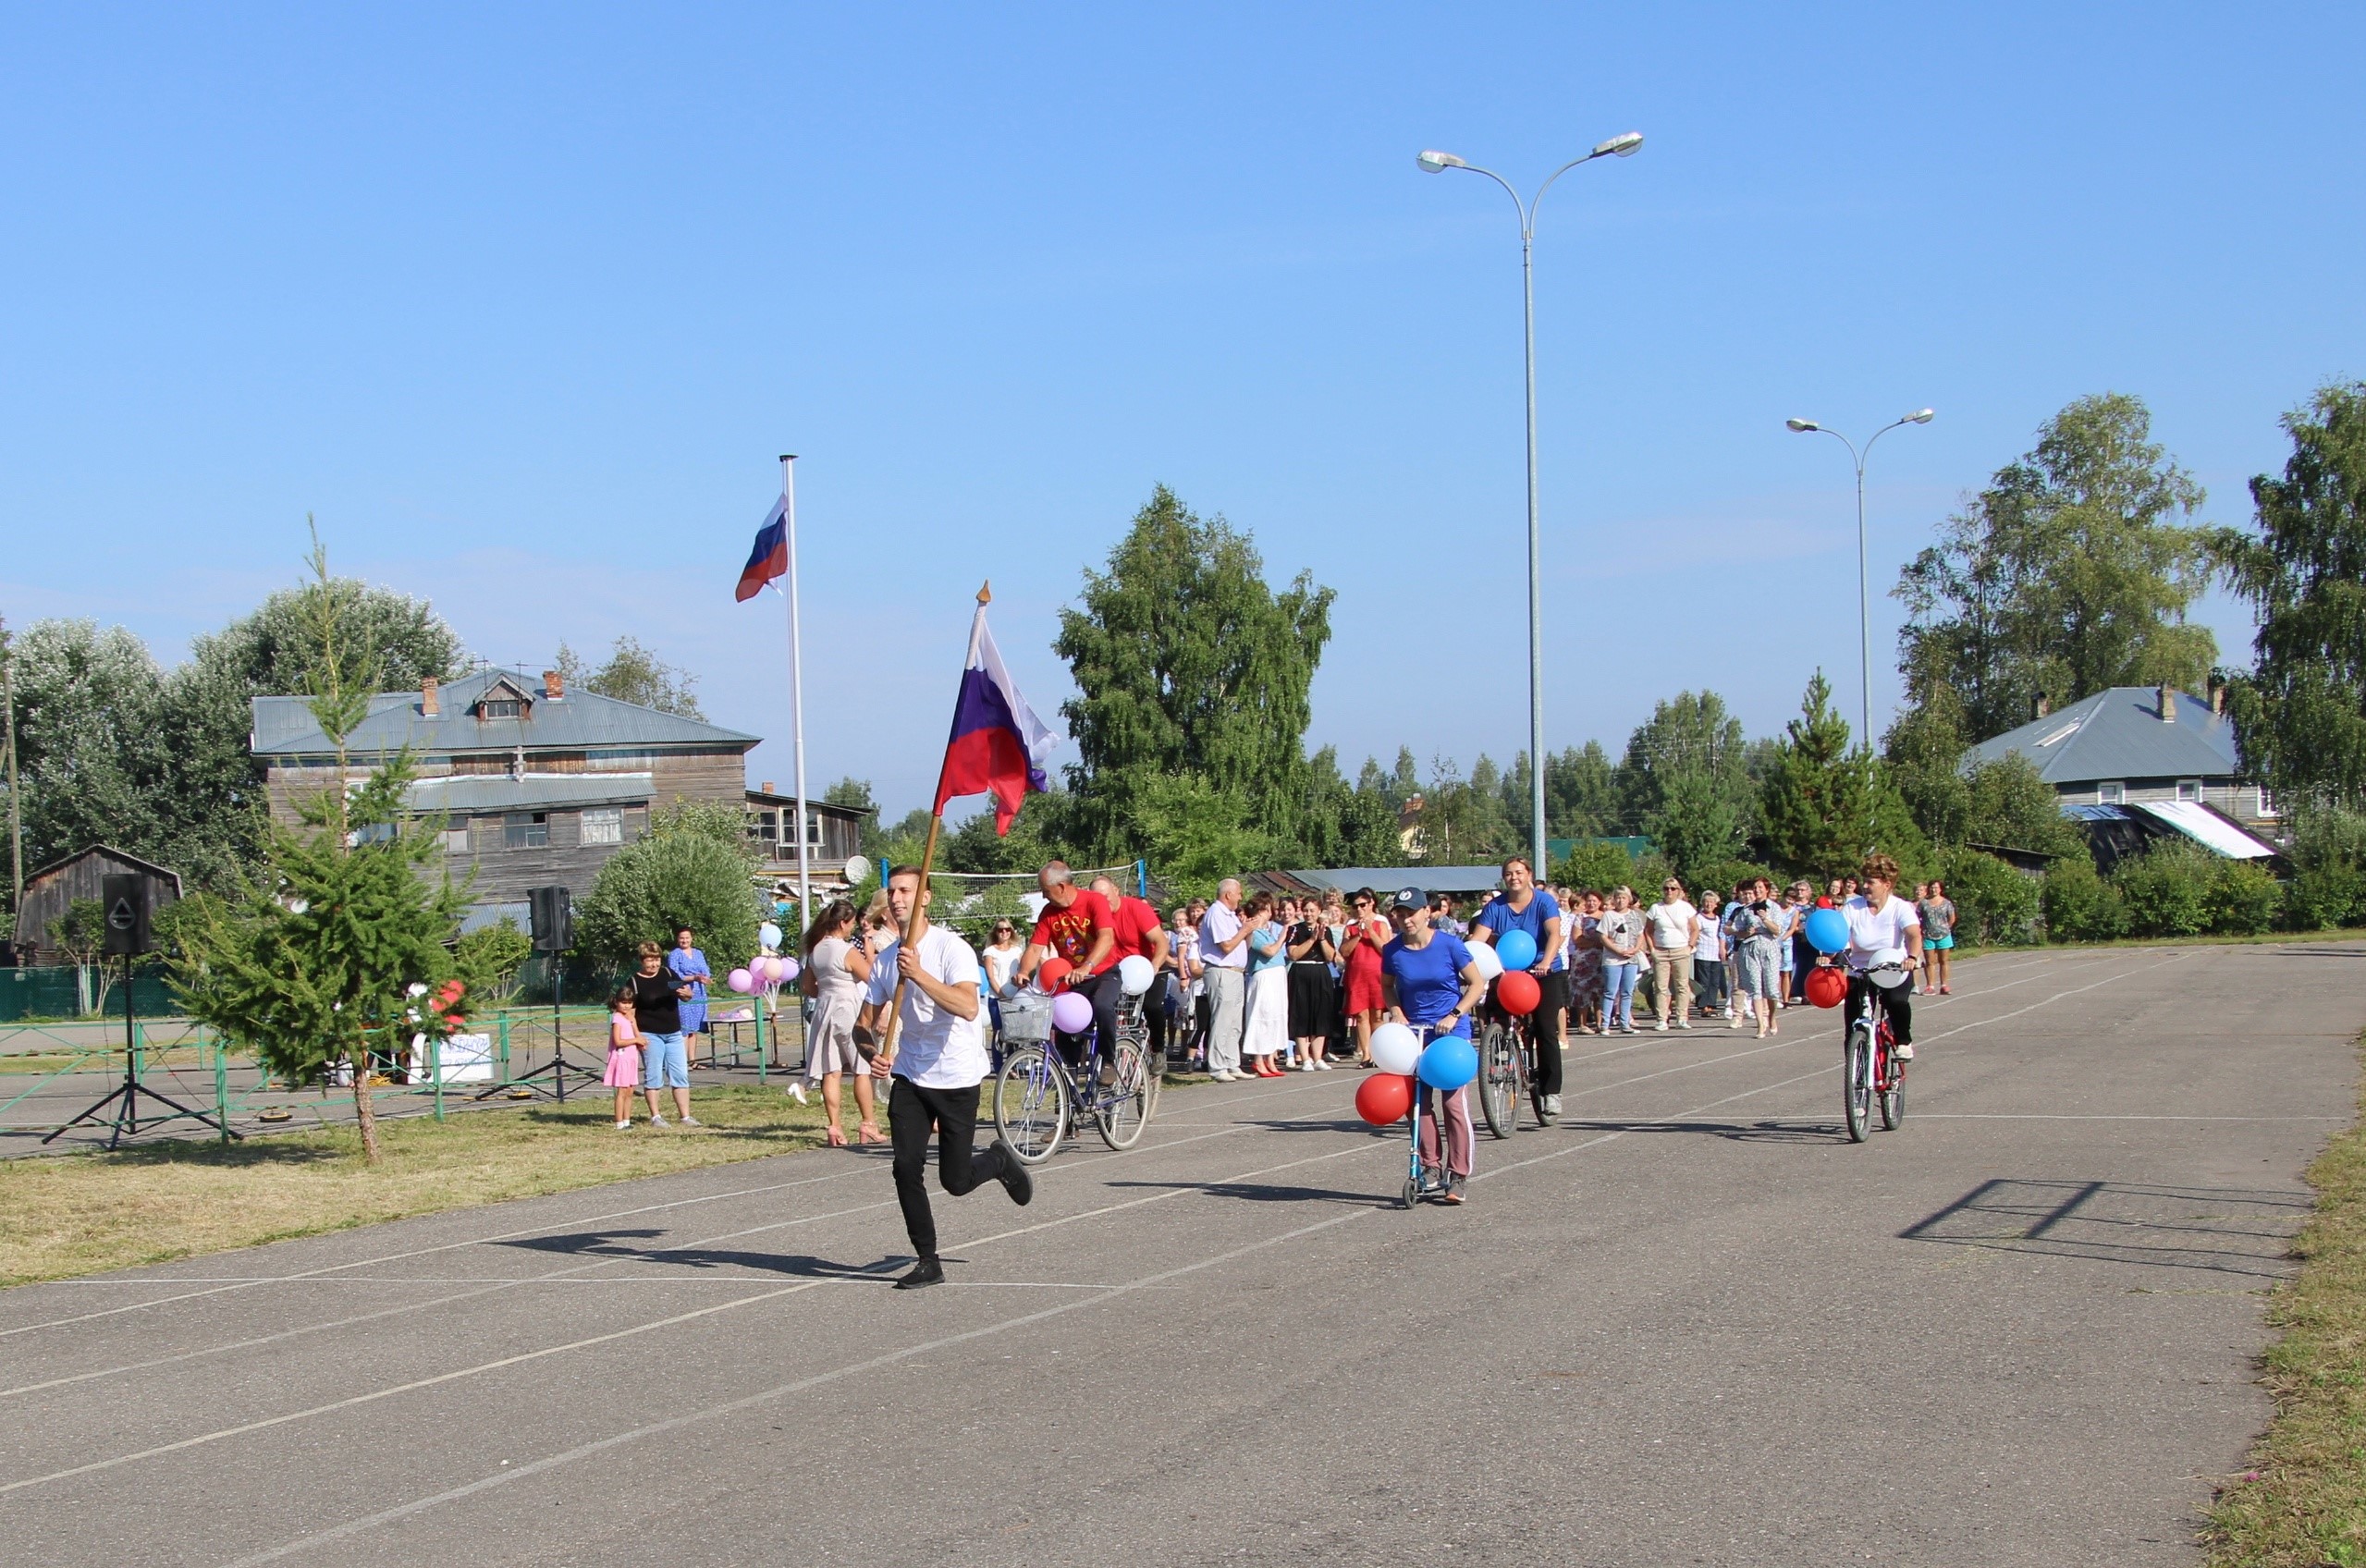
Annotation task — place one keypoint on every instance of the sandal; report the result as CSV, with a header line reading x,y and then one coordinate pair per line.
x,y
837,1138
868,1132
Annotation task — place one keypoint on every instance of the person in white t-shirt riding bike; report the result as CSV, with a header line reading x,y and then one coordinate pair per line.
x,y
1883,953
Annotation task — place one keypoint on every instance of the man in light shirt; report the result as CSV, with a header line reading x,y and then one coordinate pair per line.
x,y
936,1054
1675,931
1224,962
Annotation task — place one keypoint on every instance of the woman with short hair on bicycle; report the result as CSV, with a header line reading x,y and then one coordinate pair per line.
x,y
1885,933
1434,986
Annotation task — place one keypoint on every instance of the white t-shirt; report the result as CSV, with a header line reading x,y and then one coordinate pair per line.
x,y
1877,936
1671,924
1710,948
935,1048
1220,925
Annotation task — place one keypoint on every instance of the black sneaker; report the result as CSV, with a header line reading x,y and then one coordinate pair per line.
x,y
925,1273
1017,1180
1453,1192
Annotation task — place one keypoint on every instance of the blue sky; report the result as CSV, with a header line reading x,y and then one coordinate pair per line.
x,y
522,302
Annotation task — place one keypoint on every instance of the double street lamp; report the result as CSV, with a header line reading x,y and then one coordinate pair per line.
x,y
1439,163
1864,615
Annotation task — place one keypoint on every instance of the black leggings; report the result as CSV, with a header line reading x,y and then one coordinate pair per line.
x,y
1544,1029
1893,1002
1104,991
912,1112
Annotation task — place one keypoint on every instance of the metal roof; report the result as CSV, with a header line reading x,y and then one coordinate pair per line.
x,y
2205,825
491,793
284,726
2120,734
1459,880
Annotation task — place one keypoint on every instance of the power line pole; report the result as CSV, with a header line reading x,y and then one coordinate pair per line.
x,y
16,816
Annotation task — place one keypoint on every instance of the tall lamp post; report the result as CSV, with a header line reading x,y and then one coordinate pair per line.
x,y
1439,163
1864,612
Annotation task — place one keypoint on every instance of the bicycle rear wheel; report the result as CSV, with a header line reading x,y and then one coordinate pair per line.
x,y
1123,1110
1894,1097
1031,1104
1857,1083
1498,1080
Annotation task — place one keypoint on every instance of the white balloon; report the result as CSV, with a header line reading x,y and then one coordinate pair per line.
x,y
1395,1048
1490,963
1133,973
769,935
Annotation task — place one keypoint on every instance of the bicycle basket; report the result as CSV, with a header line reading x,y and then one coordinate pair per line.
x,y
1026,1020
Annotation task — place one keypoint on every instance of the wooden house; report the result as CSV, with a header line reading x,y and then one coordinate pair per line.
x,y
833,836
535,786
58,886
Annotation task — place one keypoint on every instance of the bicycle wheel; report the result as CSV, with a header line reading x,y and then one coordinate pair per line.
x,y
1123,1110
1498,1080
1857,1083
1894,1097
1528,1076
1031,1104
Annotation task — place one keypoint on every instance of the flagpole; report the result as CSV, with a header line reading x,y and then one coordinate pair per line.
x,y
797,695
920,894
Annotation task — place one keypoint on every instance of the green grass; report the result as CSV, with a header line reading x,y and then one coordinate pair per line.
x,y
2302,1503
84,1213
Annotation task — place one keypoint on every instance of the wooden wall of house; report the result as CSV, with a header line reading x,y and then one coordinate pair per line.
x,y
48,897
503,876
715,775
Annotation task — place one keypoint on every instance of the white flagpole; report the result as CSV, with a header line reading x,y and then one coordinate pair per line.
x,y
797,695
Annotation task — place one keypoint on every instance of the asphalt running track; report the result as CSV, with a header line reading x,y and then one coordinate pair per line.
x,y
1690,1325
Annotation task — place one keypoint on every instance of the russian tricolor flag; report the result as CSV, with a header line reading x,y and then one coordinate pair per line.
x,y
998,746
770,557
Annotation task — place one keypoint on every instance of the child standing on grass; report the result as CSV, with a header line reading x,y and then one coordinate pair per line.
x,y
624,1056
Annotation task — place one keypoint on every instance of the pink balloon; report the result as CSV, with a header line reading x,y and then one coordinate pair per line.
x,y
788,967
741,981
1071,1012
768,969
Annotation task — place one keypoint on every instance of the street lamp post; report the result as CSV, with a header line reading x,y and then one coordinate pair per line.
x,y
1439,163
1864,611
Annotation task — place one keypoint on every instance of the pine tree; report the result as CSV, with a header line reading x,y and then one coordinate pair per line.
x,y
1816,811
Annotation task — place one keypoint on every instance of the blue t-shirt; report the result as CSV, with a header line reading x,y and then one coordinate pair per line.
x,y
1428,980
1498,916
1262,957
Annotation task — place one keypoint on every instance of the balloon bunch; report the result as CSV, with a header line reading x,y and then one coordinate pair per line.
x,y
1447,1062
1827,932
764,971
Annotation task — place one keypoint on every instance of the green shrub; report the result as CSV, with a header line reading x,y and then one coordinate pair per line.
x,y
2079,906
490,957
1596,866
2326,897
689,877
2167,889
2244,899
1994,904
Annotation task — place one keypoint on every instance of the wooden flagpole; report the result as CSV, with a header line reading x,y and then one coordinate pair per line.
x,y
920,894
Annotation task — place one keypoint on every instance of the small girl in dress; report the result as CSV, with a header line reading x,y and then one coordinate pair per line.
x,y
624,1056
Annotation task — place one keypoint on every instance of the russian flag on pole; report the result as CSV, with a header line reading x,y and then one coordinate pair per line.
x,y
770,557
998,746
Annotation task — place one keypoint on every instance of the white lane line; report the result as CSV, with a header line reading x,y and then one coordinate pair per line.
x,y
515,1473
2051,1116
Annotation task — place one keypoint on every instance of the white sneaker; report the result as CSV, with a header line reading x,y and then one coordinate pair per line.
x,y
1322,1066
1682,1024
1221,1076
1903,1052
656,1120
1733,1021
692,1121
1661,1027
623,1125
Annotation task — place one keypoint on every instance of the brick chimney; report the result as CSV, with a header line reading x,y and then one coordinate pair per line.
x,y
553,687
2041,706
767,790
2217,697
429,704
2168,709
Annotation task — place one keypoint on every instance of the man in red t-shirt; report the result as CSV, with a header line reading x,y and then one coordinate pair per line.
x,y
1077,923
1141,934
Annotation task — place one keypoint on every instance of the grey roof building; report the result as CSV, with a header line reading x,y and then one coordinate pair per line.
x,y
2133,744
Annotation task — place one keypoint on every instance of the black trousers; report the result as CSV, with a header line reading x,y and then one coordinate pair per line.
x,y
1104,991
1893,1002
1544,1029
913,1111
1153,1013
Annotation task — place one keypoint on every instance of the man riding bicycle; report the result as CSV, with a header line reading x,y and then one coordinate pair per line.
x,y
1884,941
1523,906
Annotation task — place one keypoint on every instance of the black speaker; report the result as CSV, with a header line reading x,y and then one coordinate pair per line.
x,y
554,919
128,901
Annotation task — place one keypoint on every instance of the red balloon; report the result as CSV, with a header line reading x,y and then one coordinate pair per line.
x,y
1053,971
1827,986
1823,901
1518,992
1384,1098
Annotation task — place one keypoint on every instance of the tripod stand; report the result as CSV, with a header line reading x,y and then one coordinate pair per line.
x,y
555,1067
127,1117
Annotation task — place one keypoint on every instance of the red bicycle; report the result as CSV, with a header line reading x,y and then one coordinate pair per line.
x,y
1871,1070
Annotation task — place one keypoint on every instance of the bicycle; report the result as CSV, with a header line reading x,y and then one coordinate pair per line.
x,y
1871,1070
1421,1182
1507,1067
1036,1099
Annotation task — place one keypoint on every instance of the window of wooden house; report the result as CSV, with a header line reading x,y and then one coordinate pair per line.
x,y
2189,788
525,831
2111,792
604,825
456,840
499,707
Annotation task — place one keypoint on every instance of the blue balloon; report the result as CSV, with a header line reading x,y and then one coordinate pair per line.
x,y
1449,1062
1516,949
1827,930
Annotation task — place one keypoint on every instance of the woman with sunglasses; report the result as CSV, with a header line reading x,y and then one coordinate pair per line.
x,y
1003,951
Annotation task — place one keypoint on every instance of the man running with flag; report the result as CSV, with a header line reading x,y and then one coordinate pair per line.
x,y
936,1052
